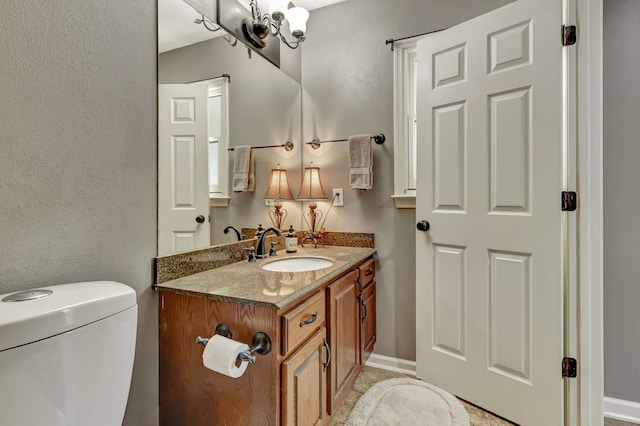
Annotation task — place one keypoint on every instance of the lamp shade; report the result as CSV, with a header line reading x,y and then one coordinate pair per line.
x,y
297,17
311,188
278,186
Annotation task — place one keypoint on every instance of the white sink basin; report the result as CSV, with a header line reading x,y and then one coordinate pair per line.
x,y
297,264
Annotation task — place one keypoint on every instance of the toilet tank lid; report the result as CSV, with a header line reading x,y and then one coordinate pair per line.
x,y
68,306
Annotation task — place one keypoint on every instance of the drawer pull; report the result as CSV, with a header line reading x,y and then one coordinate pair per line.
x,y
369,272
314,317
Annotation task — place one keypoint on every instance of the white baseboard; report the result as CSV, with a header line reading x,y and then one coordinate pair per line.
x,y
619,409
396,365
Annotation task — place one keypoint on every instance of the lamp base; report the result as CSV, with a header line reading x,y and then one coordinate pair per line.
x,y
278,215
315,238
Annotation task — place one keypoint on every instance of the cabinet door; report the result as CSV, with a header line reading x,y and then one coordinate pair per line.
x,y
304,384
344,332
368,321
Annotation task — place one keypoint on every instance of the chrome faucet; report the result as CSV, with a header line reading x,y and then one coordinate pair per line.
x,y
226,231
260,251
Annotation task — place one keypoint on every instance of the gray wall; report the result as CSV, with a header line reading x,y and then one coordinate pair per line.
x,y
621,199
264,109
347,76
78,162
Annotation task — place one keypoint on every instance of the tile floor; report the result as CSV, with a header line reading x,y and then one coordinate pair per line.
x,y
370,376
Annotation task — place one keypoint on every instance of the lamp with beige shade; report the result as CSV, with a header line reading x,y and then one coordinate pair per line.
x,y
278,190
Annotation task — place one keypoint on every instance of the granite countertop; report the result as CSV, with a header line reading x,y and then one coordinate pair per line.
x,y
246,282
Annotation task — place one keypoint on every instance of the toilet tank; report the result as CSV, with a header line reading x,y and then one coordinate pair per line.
x,y
66,354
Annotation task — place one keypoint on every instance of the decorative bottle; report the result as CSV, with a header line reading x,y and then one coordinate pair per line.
x,y
291,241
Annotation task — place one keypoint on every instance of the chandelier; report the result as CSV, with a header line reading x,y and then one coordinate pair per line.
x,y
260,26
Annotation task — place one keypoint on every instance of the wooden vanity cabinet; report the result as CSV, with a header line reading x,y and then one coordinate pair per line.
x,y
344,332
318,347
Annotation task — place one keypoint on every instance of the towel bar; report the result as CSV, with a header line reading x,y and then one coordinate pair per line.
x,y
315,143
287,146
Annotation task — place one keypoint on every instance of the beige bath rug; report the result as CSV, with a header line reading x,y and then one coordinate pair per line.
x,y
407,401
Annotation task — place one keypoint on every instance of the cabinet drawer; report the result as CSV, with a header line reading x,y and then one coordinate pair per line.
x,y
302,321
367,272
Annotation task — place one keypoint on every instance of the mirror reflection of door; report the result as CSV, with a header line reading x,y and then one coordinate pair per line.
x,y
192,158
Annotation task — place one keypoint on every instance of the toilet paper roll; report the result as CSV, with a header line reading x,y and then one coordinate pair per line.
x,y
220,355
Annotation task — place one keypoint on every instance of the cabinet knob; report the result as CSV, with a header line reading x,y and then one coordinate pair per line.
x,y
200,219
423,226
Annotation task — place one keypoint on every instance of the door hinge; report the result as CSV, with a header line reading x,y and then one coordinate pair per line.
x,y
569,201
569,35
569,367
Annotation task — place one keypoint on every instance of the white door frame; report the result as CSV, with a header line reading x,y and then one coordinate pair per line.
x,y
589,213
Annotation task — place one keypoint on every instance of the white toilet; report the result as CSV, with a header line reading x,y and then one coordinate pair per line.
x,y
66,354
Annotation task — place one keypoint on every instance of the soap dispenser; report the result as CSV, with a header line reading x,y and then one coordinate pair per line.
x,y
291,241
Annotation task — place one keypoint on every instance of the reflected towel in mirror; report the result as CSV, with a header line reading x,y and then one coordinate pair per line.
x,y
243,175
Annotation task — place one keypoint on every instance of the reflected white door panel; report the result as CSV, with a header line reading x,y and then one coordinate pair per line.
x,y
183,201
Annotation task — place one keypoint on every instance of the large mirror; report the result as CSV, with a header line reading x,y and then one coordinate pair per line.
x,y
264,106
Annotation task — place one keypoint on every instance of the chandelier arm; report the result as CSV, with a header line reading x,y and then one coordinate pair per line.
x,y
206,22
275,26
255,10
290,45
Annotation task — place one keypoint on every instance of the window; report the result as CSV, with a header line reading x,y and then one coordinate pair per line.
x,y
218,133
405,124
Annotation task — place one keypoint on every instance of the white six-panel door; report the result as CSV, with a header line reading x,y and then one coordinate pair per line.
x,y
489,270
183,181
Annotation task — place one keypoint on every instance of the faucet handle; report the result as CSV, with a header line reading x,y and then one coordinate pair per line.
x,y
272,251
251,251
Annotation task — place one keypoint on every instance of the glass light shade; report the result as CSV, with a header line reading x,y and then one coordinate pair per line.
x,y
311,188
278,8
278,186
297,17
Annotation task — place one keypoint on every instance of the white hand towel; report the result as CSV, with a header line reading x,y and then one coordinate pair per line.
x,y
243,175
360,162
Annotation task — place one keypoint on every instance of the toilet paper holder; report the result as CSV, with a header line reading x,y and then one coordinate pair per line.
x,y
261,343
